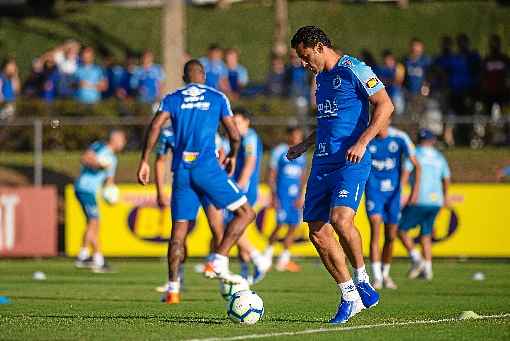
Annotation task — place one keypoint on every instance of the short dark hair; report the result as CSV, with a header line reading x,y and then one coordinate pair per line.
x,y
187,68
242,111
291,129
214,46
310,36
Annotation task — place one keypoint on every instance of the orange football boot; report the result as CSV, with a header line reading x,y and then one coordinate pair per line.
x,y
173,298
293,267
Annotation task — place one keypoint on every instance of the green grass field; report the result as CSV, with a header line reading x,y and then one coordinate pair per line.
x,y
75,304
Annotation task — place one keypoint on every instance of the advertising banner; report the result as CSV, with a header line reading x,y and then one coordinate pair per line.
x,y
474,225
28,221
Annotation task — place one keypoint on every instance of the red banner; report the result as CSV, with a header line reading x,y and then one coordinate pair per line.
x,y
28,221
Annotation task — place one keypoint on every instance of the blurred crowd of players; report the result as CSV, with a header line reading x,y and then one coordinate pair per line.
x,y
396,162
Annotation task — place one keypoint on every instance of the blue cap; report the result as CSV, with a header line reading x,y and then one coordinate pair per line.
x,y
425,134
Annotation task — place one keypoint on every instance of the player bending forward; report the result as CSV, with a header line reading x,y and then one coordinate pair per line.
x,y
195,111
340,165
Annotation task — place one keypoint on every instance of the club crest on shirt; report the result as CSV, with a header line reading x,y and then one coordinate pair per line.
x,y
393,146
337,82
372,82
372,149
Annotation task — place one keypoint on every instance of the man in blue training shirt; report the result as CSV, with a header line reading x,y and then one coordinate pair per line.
x,y
195,111
98,165
148,79
388,151
287,179
247,178
432,195
341,165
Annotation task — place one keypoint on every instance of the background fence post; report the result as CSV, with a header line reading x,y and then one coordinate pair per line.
x,y
38,150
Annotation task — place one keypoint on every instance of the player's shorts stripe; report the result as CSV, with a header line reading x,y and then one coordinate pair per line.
x,y
233,185
356,195
238,203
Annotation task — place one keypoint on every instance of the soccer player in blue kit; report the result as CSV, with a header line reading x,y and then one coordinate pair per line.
x,y
98,165
388,150
340,165
287,179
195,111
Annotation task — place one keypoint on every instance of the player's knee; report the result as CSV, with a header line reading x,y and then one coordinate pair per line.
x,y
245,212
318,237
342,223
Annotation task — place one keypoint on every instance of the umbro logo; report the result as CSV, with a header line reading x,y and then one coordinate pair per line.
x,y
343,193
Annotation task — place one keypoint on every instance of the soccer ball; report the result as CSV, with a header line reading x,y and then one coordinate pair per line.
x,y
227,290
111,194
245,307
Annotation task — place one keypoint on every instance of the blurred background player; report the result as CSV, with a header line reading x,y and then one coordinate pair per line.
x,y
98,165
340,166
195,111
432,195
247,178
287,179
388,150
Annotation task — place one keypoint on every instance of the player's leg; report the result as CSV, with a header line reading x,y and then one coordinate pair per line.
x,y
316,213
375,221
348,185
175,257
392,213
215,220
284,262
426,240
411,216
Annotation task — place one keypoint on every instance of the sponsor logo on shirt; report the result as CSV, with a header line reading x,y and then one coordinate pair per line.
x,y
189,156
328,108
372,82
386,164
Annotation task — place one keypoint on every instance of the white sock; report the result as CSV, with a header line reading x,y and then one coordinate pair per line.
x,y
386,270
349,291
376,271
174,287
269,252
284,258
84,253
219,261
256,257
415,255
428,266
361,275
98,259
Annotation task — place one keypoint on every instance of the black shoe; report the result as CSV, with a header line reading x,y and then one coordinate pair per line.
x,y
84,264
102,269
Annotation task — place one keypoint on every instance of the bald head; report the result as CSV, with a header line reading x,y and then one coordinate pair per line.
x,y
193,72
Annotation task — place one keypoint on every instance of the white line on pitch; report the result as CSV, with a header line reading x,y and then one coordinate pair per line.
x,y
340,329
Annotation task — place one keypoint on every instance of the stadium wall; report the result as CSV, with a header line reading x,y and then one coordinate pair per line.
x,y
473,226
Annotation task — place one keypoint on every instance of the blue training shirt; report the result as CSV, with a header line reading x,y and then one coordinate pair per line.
x,y
166,141
434,168
195,111
288,172
387,154
342,108
91,180
251,145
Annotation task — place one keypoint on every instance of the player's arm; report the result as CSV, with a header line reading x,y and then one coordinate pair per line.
x,y
383,108
250,146
110,181
150,140
415,191
298,150
89,159
234,140
159,168
302,190
271,181
446,186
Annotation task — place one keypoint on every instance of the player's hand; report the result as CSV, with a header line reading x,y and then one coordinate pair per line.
x,y
413,198
143,173
356,152
296,151
274,201
163,201
229,163
299,202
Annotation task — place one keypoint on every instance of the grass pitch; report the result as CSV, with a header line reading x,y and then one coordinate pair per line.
x,y
78,305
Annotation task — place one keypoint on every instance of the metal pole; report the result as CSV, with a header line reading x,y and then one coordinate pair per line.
x,y
38,149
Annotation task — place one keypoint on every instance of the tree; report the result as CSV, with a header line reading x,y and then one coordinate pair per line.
x,y
173,41
281,28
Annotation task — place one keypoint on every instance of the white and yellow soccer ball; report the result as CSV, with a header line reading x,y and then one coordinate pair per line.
x,y
245,307
227,290
111,194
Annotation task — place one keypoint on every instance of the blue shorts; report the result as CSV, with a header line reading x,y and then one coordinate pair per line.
x,y
88,204
330,187
385,204
423,216
287,212
206,181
